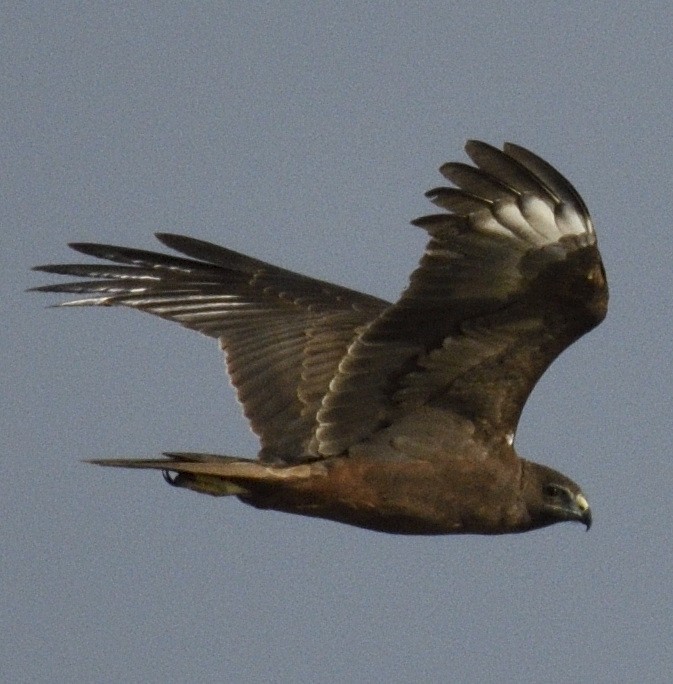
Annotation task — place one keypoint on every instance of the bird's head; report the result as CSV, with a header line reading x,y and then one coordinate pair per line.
x,y
552,497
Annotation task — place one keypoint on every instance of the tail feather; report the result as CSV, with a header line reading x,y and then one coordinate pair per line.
x,y
209,473
177,461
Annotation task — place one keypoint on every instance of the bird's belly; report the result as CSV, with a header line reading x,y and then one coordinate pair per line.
x,y
398,498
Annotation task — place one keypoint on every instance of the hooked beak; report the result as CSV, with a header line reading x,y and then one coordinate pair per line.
x,y
583,510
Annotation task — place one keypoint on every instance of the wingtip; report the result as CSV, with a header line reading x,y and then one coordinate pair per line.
x,y
169,238
473,146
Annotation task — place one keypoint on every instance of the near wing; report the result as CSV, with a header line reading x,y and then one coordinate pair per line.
x,y
511,277
283,333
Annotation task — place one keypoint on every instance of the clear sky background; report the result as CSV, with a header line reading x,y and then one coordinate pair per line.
x,y
305,133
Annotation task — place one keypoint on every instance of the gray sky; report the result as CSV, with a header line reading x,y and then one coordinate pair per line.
x,y
305,133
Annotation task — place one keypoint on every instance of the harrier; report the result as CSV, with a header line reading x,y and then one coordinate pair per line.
x,y
392,417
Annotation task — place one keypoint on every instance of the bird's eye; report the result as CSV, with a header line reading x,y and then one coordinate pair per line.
x,y
554,491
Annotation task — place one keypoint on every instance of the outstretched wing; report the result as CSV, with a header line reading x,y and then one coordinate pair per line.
x,y
511,277
283,333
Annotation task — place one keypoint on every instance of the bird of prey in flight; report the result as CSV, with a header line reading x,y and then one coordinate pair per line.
x,y
392,417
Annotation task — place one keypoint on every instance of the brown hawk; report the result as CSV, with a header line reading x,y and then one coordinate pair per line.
x,y
393,417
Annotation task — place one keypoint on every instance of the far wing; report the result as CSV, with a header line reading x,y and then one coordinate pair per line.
x,y
511,276
283,333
